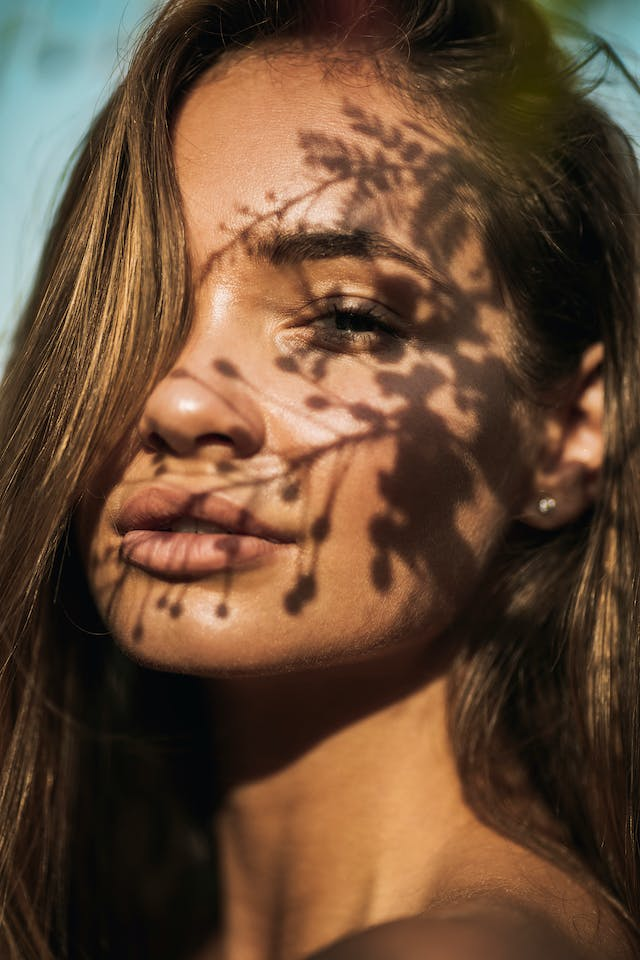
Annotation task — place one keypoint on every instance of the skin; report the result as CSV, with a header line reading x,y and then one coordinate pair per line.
x,y
396,459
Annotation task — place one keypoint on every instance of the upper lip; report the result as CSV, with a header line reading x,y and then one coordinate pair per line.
x,y
158,507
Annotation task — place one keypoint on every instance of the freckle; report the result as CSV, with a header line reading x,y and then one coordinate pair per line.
x,y
222,611
317,402
225,467
175,610
137,632
162,602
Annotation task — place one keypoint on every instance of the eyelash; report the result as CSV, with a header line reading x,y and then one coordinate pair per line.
x,y
379,334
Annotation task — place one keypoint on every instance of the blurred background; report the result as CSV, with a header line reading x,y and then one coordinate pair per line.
x,y
60,58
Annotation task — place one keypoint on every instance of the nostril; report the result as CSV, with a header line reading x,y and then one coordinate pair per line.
x,y
155,443
241,440
206,438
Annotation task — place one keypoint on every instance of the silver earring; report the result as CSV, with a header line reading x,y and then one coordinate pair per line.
x,y
547,505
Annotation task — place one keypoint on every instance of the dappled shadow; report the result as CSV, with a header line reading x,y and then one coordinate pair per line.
x,y
393,463
402,412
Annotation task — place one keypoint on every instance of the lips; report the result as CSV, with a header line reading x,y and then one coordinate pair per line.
x,y
176,533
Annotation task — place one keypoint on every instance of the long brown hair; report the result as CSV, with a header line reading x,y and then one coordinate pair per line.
x,y
552,677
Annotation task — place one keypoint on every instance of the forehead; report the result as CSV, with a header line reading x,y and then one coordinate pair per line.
x,y
272,113
273,138
256,89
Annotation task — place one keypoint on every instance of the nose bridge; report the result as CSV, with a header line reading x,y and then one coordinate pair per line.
x,y
202,404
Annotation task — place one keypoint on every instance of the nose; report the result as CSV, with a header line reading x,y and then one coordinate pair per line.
x,y
188,413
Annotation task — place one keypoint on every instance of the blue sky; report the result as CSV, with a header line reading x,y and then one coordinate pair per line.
x,y
62,57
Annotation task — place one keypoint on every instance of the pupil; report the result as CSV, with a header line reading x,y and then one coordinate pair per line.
x,y
351,321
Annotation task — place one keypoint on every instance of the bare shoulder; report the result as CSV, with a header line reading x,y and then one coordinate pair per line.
x,y
460,938
401,940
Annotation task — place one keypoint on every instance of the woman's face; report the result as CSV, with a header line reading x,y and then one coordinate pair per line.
x,y
335,457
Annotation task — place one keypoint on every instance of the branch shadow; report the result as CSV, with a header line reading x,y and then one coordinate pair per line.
x,y
427,192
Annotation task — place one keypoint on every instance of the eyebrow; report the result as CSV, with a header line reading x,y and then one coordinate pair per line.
x,y
290,248
294,247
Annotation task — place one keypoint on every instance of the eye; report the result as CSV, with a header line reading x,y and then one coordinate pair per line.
x,y
353,328
358,320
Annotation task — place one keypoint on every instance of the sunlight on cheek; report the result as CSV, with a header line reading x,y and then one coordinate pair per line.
x,y
458,411
221,301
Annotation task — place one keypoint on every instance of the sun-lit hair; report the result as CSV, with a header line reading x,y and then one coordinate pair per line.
x,y
98,781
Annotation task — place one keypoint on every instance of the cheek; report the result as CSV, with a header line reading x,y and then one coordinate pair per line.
x,y
99,550
92,522
402,503
410,519
95,550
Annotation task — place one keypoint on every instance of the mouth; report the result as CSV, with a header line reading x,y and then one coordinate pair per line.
x,y
176,534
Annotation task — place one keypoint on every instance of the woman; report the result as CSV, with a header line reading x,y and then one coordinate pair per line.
x,y
329,388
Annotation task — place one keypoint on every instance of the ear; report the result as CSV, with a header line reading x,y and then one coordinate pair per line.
x,y
566,475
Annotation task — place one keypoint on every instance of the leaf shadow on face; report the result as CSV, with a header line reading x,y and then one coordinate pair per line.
x,y
420,185
432,399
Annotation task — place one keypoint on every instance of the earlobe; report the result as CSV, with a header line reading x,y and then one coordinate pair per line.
x,y
567,474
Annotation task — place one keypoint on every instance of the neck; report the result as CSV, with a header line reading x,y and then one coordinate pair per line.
x,y
340,796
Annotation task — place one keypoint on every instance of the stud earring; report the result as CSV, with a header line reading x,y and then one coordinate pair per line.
x,y
547,505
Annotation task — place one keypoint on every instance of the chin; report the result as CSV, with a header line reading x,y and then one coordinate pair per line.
x,y
206,630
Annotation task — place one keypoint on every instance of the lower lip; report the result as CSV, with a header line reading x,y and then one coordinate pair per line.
x,y
165,553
